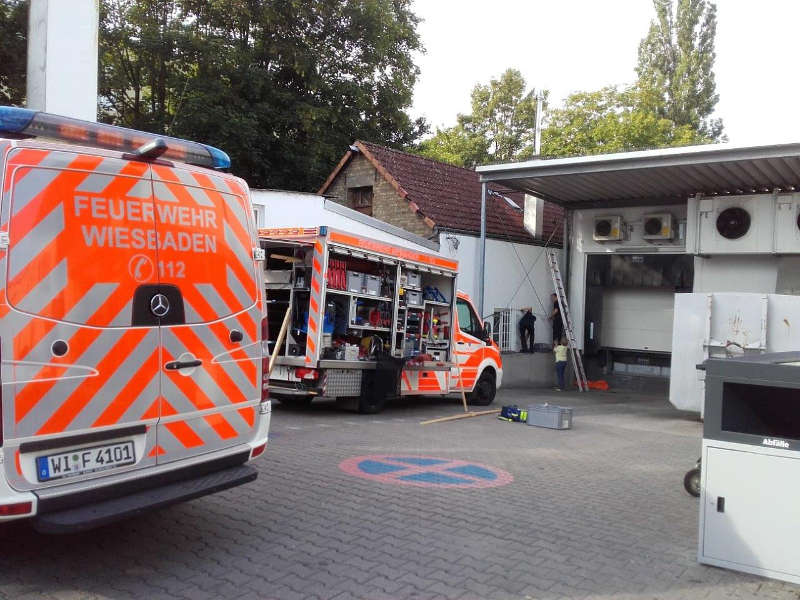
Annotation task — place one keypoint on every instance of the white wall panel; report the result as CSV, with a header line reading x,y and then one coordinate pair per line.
x,y
637,319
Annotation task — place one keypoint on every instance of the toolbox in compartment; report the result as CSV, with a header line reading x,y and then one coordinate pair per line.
x,y
355,282
372,285
413,298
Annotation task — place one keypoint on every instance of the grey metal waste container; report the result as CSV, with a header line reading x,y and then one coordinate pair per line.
x,y
750,482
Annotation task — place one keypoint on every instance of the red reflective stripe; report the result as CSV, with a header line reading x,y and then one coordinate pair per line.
x,y
190,340
27,157
129,393
249,415
34,332
84,393
223,428
195,394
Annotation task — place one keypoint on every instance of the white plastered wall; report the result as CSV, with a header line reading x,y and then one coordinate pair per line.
x,y
506,285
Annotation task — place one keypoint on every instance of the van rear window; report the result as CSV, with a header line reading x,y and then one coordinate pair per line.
x,y
86,231
205,242
64,207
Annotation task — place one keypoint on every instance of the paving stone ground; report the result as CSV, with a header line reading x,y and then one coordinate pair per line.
x,y
595,512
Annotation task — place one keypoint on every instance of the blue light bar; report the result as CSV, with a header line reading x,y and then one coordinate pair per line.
x,y
22,121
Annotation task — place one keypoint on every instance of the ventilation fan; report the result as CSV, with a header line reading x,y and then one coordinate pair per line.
x,y
733,223
658,227
607,229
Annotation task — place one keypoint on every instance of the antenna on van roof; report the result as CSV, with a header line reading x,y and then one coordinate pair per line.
x,y
151,150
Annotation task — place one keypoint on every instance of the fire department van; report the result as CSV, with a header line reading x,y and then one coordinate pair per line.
x,y
370,320
131,323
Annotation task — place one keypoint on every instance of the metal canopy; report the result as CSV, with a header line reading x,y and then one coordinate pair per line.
x,y
653,177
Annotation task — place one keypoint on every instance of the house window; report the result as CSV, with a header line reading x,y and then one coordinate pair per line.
x,y
361,199
501,330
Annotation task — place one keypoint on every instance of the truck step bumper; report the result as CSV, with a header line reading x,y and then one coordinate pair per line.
x,y
107,511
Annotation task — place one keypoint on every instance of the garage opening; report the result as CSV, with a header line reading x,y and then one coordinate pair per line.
x,y
629,312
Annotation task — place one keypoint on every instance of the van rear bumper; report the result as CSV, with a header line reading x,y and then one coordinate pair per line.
x,y
96,507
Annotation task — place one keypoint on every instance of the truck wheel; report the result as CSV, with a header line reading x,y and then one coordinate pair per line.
x,y
370,402
485,389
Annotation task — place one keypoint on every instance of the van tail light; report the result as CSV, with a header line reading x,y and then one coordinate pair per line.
x,y
19,508
258,450
306,373
264,360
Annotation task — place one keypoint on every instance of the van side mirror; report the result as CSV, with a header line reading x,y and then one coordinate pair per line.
x,y
487,332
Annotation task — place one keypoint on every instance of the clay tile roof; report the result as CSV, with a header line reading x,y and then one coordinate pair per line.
x,y
450,196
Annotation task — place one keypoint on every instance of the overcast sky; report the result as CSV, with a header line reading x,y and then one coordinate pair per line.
x,y
574,45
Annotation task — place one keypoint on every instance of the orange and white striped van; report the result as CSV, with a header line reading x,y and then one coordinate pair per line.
x,y
131,322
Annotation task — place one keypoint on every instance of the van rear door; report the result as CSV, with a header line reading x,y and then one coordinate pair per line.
x,y
80,384
211,363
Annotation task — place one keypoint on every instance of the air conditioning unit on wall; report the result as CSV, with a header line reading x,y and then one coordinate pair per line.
x,y
607,229
787,224
658,226
737,224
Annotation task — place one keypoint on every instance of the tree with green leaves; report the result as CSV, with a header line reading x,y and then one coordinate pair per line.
x,y
500,127
676,65
283,86
13,51
609,120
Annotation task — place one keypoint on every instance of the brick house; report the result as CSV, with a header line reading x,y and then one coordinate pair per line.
x,y
442,202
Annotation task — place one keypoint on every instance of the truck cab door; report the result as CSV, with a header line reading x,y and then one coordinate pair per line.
x,y
470,348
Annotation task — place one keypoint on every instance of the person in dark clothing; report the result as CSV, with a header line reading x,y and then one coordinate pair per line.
x,y
555,317
526,330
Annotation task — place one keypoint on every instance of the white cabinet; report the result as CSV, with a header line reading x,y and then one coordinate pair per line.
x,y
750,515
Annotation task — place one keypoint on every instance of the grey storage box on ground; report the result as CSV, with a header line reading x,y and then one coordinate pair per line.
x,y
355,282
550,416
373,285
413,298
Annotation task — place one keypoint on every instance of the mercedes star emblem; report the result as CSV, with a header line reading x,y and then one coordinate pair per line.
x,y
159,305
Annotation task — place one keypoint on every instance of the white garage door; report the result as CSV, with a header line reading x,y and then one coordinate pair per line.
x,y
637,319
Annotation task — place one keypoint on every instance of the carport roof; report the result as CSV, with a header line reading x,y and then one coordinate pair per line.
x,y
668,175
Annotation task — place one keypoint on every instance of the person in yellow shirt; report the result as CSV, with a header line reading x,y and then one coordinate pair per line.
x,y
560,350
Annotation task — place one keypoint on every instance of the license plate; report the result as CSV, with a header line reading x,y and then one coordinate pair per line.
x,y
84,460
281,373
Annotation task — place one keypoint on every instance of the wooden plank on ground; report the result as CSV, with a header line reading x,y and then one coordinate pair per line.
x,y
464,416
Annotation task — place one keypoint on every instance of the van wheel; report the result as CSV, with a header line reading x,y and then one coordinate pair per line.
x,y
485,390
293,403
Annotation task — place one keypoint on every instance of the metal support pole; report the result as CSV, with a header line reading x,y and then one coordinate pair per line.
x,y
482,262
537,143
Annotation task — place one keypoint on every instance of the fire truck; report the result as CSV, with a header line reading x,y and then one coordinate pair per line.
x,y
366,321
